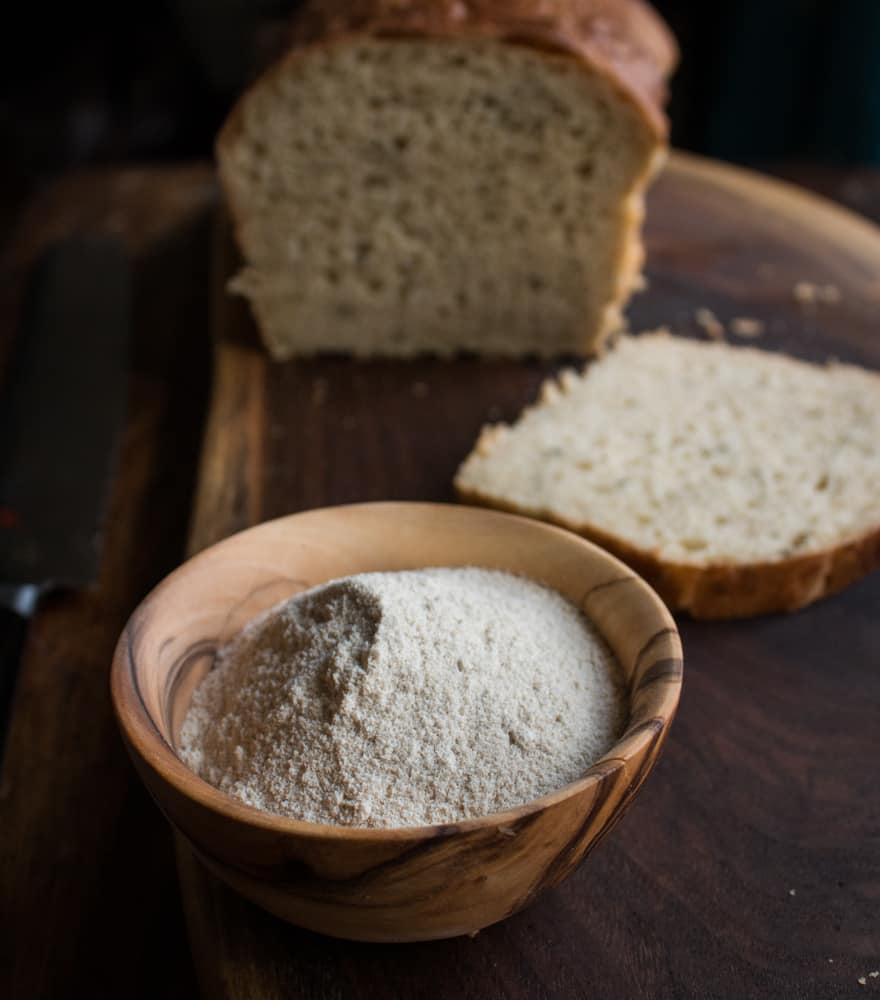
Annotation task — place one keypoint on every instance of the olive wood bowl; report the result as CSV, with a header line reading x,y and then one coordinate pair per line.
x,y
396,884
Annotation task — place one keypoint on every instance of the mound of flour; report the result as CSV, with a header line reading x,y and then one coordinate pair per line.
x,y
409,698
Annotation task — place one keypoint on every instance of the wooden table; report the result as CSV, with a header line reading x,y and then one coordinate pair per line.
x,y
88,891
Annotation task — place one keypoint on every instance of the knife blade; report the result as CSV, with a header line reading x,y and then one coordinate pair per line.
x,y
62,404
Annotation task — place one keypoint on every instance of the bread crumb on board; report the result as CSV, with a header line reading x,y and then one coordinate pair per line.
x,y
747,326
710,324
809,294
739,326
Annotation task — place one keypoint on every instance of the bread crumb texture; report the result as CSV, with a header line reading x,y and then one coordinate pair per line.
x,y
400,196
698,453
709,323
402,699
807,293
747,326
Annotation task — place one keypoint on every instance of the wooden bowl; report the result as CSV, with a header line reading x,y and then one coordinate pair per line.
x,y
404,884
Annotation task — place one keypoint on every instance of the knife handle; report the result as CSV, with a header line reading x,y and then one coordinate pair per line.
x,y
13,629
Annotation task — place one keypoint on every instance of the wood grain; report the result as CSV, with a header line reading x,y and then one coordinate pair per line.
x,y
762,788
738,243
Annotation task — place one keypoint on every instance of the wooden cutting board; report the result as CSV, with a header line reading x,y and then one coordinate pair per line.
x,y
749,866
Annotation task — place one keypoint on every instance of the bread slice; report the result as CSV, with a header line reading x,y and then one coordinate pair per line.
x,y
738,482
432,176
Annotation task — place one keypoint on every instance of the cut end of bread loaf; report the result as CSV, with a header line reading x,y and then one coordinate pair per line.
x,y
403,196
736,481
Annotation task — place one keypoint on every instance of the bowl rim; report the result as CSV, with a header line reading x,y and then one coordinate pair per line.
x,y
144,739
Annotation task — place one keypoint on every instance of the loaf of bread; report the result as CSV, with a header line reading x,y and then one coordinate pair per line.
x,y
738,482
448,175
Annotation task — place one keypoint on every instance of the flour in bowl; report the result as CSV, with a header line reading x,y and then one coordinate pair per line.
x,y
408,698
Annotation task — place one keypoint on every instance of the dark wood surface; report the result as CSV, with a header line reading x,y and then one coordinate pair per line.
x,y
89,904
769,782
762,789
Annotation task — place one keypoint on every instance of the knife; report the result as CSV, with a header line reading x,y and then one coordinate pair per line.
x,y
62,403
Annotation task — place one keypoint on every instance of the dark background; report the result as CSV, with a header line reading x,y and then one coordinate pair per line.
x,y
760,81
